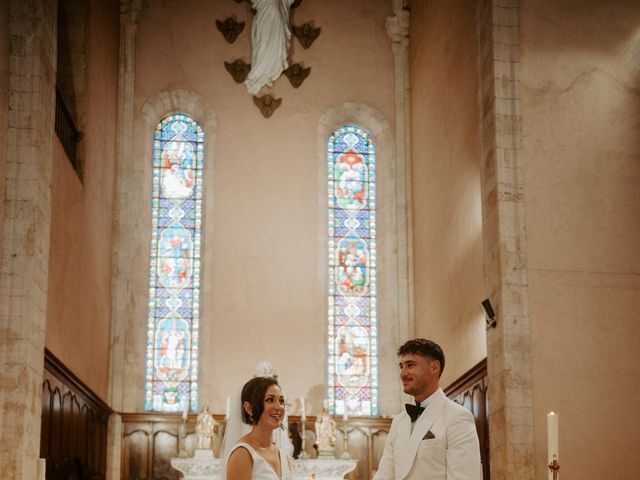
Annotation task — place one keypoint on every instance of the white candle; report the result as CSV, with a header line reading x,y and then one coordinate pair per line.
x,y
552,441
345,415
303,413
228,410
185,408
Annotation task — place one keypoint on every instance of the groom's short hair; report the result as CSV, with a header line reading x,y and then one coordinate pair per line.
x,y
424,348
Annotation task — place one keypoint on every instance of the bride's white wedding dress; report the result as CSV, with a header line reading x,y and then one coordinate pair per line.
x,y
262,470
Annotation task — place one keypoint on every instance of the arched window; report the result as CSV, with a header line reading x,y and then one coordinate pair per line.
x,y
352,345
174,272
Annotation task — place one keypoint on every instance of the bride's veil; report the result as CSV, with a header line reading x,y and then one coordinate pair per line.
x,y
235,428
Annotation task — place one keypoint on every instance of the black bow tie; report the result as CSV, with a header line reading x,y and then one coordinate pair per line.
x,y
414,411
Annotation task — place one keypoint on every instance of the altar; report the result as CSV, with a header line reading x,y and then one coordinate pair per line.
x,y
322,468
202,466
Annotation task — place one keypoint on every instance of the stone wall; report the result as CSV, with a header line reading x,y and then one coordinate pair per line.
x,y
447,219
580,79
25,231
79,296
505,241
4,101
264,274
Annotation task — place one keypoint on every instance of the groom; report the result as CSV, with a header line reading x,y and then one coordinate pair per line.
x,y
435,439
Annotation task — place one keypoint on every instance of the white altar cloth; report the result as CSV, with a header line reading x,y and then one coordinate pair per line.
x,y
202,466
324,468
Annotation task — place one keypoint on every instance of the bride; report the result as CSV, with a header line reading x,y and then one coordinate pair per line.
x,y
255,456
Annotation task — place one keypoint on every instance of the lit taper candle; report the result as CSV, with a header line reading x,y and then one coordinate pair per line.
x,y
552,441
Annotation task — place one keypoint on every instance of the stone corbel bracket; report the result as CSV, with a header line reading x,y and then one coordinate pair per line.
x,y
230,28
297,74
306,34
267,104
238,69
398,28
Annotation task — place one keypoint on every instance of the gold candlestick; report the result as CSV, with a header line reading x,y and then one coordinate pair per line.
x,y
555,468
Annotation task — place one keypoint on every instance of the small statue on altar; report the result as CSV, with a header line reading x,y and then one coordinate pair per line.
x,y
325,434
205,427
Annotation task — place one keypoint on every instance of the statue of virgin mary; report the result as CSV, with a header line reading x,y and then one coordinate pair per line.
x,y
270,40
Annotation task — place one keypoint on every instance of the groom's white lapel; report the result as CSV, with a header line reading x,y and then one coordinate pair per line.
x,y
408,441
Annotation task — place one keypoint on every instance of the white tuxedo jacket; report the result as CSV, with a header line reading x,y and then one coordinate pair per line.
x,y
442,446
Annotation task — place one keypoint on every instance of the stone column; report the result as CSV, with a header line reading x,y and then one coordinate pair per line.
x,y
398,31
505,243
25,233
121,255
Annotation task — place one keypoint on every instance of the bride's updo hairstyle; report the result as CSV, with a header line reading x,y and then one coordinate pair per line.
x,y
253,392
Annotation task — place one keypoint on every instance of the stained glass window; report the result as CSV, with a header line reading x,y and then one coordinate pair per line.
x,y
174,272
352,344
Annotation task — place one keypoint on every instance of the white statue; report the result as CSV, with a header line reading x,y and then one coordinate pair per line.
x,y
205,426
270,39
325,433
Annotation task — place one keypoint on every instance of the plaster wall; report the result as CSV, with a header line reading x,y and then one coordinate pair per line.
x,y
78,308
4,102
264,271
447,218
580,82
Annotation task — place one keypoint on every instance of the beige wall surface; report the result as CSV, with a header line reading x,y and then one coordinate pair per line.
x,y
79,310
447,219
581,127
264,245
4,101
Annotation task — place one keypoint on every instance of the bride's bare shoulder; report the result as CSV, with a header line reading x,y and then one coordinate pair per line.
x,y
240,464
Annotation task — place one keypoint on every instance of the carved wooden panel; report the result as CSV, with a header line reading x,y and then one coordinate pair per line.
x,y
378,441
359,446
470,391
366,438
135,455
73,436
149,441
